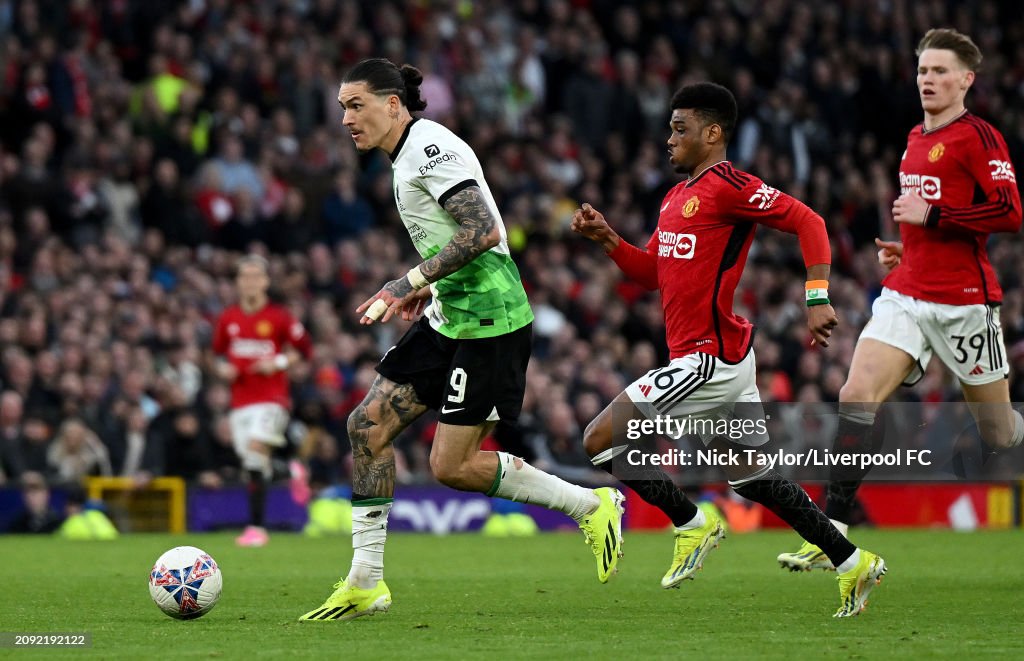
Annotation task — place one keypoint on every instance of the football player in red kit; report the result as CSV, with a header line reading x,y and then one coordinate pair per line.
x,y
941,295
695,258
257,342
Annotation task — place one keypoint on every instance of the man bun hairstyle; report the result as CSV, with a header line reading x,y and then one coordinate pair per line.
x,y
949,39
384,78
711,102
413,79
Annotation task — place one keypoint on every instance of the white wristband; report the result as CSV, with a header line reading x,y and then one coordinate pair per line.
x,y
281,362
416,278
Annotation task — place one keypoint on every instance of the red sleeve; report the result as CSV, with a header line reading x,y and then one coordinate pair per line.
x,y
296,335
638,265
760,203
220,337
993,172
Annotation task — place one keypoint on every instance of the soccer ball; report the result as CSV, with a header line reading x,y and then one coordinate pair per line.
x,y
185,582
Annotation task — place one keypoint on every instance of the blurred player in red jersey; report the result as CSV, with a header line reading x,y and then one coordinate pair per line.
x,y
257,342
941,295
695,258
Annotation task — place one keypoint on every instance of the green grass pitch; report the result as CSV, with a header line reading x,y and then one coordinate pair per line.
x,y
466,596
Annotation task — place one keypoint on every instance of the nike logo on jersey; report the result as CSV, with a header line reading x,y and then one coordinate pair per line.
x,y
445,409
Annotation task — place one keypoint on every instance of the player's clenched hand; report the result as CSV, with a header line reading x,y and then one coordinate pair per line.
x,y
395,294
910,208
590,222
890,253
821,319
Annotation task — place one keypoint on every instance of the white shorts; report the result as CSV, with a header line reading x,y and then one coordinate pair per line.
x,y
258,422
968,339
705,391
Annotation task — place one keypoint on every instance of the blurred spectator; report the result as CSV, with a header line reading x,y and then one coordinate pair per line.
x,y
38,516
77,453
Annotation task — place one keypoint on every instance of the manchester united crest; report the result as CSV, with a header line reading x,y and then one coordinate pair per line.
x,y
691,207
936,152
264,328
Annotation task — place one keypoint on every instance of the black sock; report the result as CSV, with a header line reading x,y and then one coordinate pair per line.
x,y
657,488
792,504
257,498
852,437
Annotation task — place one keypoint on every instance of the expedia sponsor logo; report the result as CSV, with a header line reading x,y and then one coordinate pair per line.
x,y
437,160
1002,171
431,151
676,245
936,152
930,188
691,207
764,197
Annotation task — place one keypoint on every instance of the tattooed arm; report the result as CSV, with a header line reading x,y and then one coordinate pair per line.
x,y
478,232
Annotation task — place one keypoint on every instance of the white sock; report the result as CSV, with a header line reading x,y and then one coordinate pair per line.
x,y
696,522
1018,430
842,527
849,563
369,532
526,484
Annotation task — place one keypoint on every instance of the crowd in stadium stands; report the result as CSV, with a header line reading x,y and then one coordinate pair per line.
x,y
145,145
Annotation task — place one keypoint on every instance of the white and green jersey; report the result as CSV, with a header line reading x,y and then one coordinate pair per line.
x,y
484,298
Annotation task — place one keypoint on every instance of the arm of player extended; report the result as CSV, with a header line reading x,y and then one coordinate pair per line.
x,y
1000,212
787,214
641,266
300,341
478,232
790,215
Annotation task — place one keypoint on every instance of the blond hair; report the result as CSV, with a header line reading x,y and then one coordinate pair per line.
x,y
949,39
254,259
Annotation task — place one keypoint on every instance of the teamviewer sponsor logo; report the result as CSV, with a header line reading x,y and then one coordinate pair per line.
x,y
931,187
677,245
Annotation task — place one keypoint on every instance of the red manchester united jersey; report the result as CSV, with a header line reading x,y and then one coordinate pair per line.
x,y
963,170
244,339
697,255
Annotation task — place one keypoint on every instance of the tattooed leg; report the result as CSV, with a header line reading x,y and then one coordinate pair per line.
x,y
387,409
